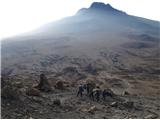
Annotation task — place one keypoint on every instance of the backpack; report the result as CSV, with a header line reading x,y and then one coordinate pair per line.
x,y
81,88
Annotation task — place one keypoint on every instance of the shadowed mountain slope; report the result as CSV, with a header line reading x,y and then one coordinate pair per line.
x,y
100,43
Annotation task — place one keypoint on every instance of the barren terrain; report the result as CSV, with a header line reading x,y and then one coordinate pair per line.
x,y
113,49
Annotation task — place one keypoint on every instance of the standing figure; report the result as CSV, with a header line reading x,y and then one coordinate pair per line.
x,y
88,88
80,90
104,94
91,95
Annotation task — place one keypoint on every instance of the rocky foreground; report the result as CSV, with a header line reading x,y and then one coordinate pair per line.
x,y
24,101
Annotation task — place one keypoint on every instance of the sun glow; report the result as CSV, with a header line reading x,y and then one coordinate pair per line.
x,y
18,16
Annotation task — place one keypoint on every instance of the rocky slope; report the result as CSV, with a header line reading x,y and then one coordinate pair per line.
x,y
99,43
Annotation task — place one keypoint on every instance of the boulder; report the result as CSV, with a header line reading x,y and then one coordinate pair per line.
x,y
43,85
33,92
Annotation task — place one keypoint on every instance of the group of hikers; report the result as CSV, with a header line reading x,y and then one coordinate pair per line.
x,y
93,92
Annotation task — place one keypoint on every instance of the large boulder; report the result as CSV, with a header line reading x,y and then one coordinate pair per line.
x,y
33,92
43,85
61,84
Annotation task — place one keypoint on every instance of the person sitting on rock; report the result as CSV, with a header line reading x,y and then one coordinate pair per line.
x,y
107,92
110,93
80,90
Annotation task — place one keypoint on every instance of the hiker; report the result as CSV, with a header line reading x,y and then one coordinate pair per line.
x,y
91,95
85,86
80,90
88,88
110,93
104,94
97,93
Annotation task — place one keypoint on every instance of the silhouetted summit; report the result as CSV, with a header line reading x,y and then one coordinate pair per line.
x,y
100,7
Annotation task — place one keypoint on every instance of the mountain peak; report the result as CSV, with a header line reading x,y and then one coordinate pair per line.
x,y
101,6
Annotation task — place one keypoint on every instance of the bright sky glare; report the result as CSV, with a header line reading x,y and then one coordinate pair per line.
x,y
18,16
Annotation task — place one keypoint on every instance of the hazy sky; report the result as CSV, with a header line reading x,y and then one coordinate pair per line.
x,y
18,16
